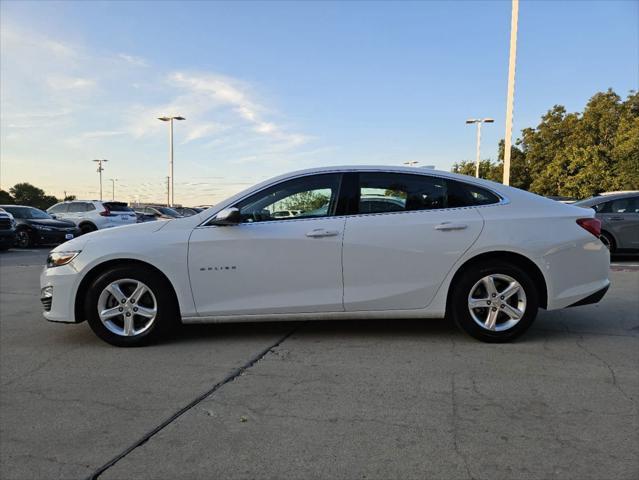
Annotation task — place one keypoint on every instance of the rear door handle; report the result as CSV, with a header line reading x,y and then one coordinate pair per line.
x,y
321,232
446,226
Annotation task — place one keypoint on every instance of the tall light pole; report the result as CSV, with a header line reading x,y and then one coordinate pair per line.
x,y
113,180
478,121
511,90
170,120
100,169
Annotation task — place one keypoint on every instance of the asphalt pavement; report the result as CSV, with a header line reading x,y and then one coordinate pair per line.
x,y
361,399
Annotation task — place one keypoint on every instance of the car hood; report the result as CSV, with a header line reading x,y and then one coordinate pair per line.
x,y
110,234
50,222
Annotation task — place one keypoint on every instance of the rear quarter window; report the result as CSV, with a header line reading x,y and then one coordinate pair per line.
x,y
462,194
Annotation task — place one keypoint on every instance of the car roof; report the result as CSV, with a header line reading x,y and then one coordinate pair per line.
x,y
597,199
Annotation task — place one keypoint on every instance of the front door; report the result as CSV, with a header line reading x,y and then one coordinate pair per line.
x,y
269,263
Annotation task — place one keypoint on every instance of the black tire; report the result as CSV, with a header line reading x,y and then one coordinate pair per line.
x,y
24,238
167,315
87,228
608,241
465,284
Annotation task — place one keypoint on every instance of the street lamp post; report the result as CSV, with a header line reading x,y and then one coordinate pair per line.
x,y
511,90
113,180
170,120
100,169
478,121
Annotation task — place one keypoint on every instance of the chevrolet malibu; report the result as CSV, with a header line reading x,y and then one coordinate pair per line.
x,y
365,242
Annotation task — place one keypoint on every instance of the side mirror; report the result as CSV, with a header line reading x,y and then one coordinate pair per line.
x,y
228,216
53,215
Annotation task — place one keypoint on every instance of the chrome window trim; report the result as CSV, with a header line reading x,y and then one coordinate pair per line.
x,y
502,199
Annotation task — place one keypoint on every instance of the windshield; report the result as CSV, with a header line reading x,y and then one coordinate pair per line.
x,y
27,213
168,211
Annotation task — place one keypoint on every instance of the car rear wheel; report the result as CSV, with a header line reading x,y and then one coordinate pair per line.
x,y
131,306
87,228
608,241
494,301
23,239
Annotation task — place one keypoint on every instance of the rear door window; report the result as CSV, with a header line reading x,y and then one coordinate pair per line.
x,y
396,192
78,207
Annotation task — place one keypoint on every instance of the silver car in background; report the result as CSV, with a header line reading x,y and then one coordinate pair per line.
x,y
619,215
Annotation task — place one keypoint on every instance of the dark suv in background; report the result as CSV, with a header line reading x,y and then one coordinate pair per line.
x,y
7,230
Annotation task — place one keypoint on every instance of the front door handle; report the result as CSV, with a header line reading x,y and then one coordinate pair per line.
x,y
321,232
446,226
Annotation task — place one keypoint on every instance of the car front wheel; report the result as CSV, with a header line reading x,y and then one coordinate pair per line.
x,y
23,239
494,302
131,306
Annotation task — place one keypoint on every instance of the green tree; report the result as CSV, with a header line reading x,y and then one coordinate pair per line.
x,y
27,194
467,167
6,198
578,154
305,201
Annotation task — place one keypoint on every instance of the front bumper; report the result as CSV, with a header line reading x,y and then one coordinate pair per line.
x,y
54,236
62,283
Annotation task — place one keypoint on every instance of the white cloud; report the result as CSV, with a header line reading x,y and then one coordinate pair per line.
x,y
102,134
133,60
63,82
203,131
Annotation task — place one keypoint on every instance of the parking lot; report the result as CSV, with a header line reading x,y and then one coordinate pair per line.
x,y
379,399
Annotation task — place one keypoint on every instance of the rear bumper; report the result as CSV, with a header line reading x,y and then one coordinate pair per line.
x,y
593,298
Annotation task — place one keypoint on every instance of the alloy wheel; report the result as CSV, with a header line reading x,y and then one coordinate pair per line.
x,y
127,307
497,302
22,239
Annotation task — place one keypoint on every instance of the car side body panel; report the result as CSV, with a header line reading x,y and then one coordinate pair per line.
x,y
573,263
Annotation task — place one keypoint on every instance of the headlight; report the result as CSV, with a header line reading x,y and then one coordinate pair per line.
x,y
41,227
56,259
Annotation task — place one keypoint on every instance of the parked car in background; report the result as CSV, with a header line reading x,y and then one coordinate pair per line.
x,y
186,211
619,215
144,217
37,227
485,254
285,213
158,212
562,199
91,215
7,230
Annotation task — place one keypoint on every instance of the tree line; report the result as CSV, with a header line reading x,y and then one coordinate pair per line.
x,y
27,194
574,154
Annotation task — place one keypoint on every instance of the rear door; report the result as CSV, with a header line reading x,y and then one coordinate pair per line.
x,y
76,212
621,218
407,233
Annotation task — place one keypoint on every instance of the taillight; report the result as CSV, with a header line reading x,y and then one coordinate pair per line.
x,y
593,225
106,212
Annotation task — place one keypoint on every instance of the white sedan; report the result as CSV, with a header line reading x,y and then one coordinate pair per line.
x,y
365,242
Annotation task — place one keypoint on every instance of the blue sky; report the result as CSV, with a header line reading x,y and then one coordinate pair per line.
x,y
269,87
